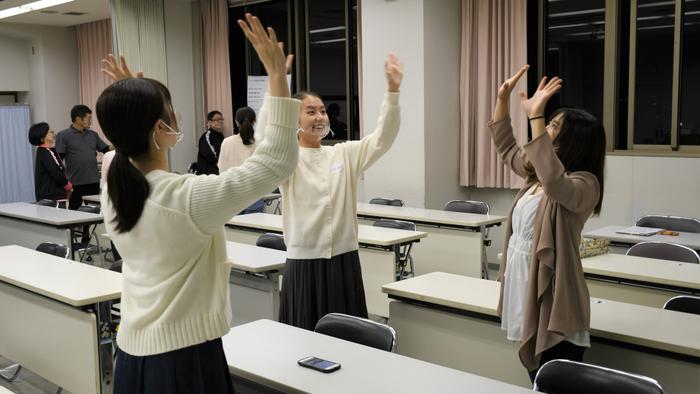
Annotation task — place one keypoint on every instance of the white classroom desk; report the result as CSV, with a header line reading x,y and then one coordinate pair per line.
x,y
262,357
56,318
29,225
455,240
254,281
639,280
691,240
379,249
451,320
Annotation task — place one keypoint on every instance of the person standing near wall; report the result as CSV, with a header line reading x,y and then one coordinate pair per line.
x,y
78,145
210,144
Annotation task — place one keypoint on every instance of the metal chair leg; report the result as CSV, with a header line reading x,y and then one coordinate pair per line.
x,y
14,375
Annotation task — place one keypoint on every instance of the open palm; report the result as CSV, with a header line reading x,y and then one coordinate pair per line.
x,y
534,106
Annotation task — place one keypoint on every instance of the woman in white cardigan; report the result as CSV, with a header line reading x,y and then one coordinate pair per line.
x,y
169,228
319,200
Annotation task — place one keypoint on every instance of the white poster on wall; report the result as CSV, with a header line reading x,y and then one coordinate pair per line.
x,y
257,90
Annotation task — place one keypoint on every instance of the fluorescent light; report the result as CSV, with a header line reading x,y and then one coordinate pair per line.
x,y
37,5
326,29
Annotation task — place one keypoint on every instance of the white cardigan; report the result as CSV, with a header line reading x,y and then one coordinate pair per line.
x,y
175,290
319,201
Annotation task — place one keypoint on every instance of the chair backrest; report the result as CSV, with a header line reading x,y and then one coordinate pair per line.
x,y
356,329
116,266
397,224
479,207
387,201
271,241
54,249
687,304
665,251
89,208
193,168
47,202
571,377
674,223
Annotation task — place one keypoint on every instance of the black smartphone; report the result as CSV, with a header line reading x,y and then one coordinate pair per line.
x,y
319,364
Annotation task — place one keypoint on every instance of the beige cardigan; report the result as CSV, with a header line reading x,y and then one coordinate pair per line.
x,y
557,301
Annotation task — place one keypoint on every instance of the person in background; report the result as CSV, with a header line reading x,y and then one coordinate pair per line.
x,y
50,181
210,144
78,146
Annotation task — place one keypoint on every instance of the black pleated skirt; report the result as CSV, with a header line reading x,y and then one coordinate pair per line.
x,y
313,288
198,369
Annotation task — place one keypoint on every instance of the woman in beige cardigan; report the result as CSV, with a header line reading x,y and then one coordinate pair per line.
x,y
544,300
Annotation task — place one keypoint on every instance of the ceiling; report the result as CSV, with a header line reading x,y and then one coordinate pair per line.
x,y
93,10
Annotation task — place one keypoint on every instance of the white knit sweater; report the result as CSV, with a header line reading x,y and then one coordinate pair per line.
x,y
175,290
319,200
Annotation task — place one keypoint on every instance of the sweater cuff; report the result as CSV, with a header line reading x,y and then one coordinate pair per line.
x,y
541,139
493,123
392,98
283,111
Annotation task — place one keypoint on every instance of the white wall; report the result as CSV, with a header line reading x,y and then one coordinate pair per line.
x,y
395,26
14,73
52,68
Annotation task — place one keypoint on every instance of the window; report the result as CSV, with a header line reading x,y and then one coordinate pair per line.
x,y
322,34
633,63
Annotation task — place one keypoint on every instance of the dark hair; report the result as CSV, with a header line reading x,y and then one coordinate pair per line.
x,y
301,95
127,111
245,117
79,111
212,114
37,133
580,146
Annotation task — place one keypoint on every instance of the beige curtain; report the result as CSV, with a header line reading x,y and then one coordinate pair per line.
x,y
94,44
494,45
217,77
139,27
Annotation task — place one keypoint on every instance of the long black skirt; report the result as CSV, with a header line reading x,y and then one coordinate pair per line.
x,y
313,288
196,369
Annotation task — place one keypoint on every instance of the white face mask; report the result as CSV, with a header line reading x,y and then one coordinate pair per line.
x,y
178,135
318,132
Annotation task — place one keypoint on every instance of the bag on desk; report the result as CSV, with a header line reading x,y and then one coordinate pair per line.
x,y
593,247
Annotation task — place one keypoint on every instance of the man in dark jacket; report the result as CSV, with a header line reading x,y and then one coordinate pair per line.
x,y
210,144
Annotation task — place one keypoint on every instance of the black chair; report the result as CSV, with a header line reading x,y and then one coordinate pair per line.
x,y
687,304
47,203
571,377
358,330
387,201
405,257
477,207
673,223
271,241
664,251
54,249
83,235
193,168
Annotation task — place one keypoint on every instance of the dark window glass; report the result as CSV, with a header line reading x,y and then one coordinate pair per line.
x,y
575,52
689,127
654,72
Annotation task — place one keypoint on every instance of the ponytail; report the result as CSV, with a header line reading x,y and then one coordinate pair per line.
x,y
128,190
245,117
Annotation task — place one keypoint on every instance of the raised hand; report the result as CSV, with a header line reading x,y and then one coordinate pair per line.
x,y
265,44
393,69
534,106
118,71
507,87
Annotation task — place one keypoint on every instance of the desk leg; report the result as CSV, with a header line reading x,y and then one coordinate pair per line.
x,y
105,336
254,297
378,269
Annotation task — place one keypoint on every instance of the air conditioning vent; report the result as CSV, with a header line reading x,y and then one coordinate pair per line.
x,y
74,13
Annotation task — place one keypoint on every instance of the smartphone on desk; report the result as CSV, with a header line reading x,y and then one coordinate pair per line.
x,y
319,364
